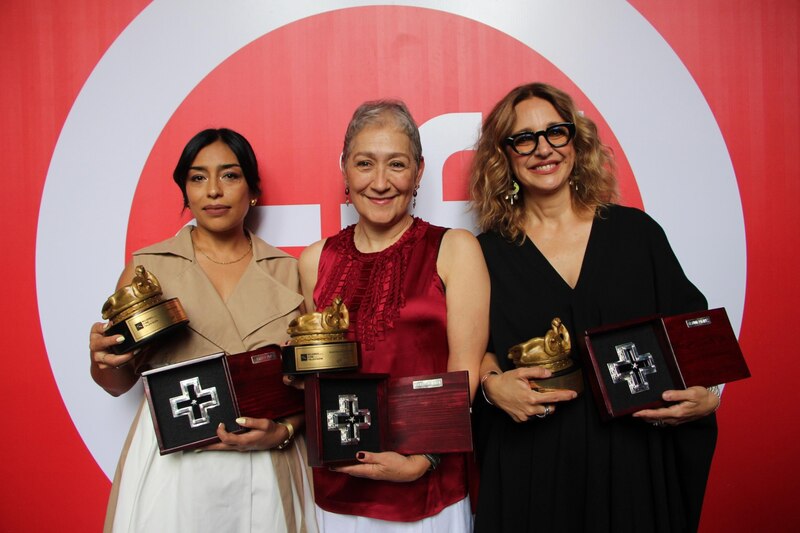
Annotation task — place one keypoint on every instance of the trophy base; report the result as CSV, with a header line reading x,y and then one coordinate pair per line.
x,y
147,325
572,379
324,357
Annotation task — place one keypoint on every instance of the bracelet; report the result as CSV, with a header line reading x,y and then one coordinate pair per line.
x,y
434,459
716,391
483,379
290,428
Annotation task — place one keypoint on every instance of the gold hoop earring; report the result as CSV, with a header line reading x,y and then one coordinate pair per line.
x,y
253,202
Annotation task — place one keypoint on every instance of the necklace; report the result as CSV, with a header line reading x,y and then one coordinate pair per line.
x,y
249,249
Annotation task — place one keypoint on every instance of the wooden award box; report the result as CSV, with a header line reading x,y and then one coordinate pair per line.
x,y
629,365
347,413
188,400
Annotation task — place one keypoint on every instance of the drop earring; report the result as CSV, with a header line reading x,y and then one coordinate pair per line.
x,y
346,195
513,195
414,202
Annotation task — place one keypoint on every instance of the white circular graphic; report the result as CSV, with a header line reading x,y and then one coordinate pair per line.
x,y
628,71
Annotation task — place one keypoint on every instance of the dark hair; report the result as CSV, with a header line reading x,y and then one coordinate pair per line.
x,y
238,145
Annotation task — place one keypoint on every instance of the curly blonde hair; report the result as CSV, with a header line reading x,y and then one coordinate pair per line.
x,y
492,177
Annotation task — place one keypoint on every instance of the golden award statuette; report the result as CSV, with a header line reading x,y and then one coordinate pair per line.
x,y
139,313
551,352
319,344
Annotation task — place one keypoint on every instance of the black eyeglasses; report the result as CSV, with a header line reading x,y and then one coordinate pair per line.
x,y
557,135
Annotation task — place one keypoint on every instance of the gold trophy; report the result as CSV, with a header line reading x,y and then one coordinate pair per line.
x,y
319,343
139,313
551,352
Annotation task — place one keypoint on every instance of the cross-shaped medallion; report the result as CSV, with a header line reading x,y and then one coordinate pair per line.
x,y
632,367
349,420
194,402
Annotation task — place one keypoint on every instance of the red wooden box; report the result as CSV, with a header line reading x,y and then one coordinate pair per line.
x,y
629,365
347,413
188,400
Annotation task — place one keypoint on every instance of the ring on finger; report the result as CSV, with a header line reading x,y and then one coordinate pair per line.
x,y
658,423
545,413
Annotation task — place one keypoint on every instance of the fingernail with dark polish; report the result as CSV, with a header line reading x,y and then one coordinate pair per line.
x,y
360,455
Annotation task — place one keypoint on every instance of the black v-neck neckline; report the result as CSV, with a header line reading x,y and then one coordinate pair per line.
x,y
586,257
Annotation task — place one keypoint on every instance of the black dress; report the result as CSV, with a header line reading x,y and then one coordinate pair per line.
x,y
571,471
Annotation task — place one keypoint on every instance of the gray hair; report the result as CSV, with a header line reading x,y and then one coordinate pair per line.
x,y
376,113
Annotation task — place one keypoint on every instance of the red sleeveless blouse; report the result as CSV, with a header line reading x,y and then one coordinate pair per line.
x,y
396,301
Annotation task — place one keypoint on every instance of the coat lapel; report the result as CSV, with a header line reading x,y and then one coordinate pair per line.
x,y
252,313
213,319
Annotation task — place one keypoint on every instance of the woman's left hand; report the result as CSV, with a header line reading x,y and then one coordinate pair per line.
x,y
264,434
387,466
691,404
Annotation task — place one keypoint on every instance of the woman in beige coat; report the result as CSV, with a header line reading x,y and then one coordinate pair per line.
x,y
240,294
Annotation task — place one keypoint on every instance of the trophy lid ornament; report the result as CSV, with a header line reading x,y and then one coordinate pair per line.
x,y
139,313
553,353
144,289
330,324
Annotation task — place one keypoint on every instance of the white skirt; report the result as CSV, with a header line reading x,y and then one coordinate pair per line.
x,y
456,518
207,491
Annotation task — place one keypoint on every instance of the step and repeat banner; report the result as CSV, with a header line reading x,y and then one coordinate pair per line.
x,y
698,100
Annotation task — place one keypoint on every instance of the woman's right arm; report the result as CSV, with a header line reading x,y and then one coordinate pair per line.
x,y
108,370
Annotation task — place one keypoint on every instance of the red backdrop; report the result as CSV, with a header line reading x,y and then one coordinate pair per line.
x,y
743,56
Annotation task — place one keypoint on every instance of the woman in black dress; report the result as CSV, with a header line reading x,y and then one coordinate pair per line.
x,y
556,245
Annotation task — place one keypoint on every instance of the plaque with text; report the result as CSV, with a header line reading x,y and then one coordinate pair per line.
x,y
188,400
347,413
321,357
631,364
